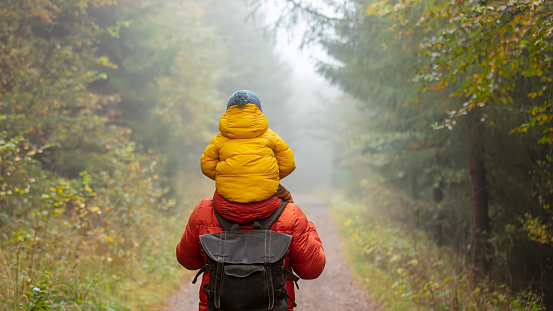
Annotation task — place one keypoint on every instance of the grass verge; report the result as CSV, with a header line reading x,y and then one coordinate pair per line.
x,y
57,267
405,270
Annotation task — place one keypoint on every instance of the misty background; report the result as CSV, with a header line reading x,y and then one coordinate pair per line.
x,y
425,125
297,108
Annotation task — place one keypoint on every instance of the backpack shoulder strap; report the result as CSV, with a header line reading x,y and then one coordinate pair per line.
x,y
225,223
265,223
268,222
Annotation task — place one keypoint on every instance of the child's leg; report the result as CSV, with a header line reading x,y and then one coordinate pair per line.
x,y
284,194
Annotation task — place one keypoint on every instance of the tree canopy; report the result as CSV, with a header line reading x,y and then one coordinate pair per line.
x,y
451,107
105,108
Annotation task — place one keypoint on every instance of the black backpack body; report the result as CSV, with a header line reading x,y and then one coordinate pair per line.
x,y
246,268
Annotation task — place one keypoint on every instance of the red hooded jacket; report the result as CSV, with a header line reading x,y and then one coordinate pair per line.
x,y
306,257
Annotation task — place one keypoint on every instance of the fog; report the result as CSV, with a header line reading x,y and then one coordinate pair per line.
x,y
294,97
310,96
444,126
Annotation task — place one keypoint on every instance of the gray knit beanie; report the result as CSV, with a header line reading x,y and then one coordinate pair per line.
x,y
244,97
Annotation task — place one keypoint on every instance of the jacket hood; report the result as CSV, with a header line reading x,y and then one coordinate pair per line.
x,y
243,213
243,121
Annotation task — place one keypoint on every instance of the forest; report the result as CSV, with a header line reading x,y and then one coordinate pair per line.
x,y
440,141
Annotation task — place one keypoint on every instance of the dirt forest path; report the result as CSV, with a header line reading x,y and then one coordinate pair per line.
x,y
335,290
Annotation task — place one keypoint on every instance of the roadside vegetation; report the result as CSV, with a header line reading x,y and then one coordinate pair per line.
x,y
448,107
105,108
402,267
443,135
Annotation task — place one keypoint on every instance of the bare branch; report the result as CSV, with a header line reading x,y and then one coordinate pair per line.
x,y
300,18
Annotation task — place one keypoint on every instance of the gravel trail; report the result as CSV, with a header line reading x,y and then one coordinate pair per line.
x,y
335,290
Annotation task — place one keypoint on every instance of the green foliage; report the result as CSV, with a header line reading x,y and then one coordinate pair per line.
x,y
84,219
101,223
47,63
406,270
491,47
168,65
39,295
103,113
416,69
391,129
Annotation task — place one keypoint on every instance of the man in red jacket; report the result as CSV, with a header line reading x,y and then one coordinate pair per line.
x,y
306,257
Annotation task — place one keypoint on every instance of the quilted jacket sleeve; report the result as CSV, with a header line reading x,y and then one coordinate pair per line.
x,y
188,249
210,158
284,156
307,256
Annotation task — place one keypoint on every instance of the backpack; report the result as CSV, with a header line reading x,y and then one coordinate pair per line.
x,y
246,267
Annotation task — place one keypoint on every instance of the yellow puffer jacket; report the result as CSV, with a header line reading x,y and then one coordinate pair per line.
x,y
246,159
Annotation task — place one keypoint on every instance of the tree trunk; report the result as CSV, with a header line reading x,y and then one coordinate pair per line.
x,y
480,221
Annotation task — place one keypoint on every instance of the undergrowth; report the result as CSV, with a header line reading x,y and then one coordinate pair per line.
x,y
62,272
98,242
405,270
